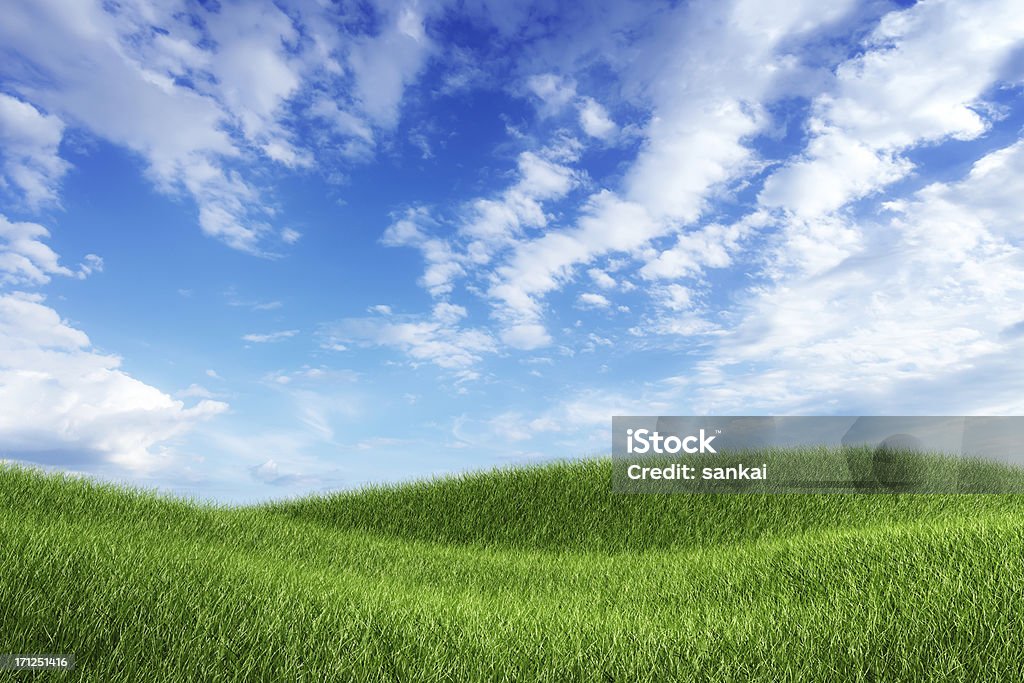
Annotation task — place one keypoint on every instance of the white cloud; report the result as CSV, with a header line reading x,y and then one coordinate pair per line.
x,y
676,297
442,263
711,246
525,336
992,198
594,119
26,260
490,224
267,472
539,266
593,300
553,91
29,142
601,278
309,376
837,169
919,80
386,63
94,78
812,246
91,263
696,141
438,339
496,223
62,402
358,133
200,95
447,313
580,422
194,391
269,337
926,68
702,116
254,70
541,178
925,300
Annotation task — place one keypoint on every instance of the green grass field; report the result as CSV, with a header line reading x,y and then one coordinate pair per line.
x,y
525,574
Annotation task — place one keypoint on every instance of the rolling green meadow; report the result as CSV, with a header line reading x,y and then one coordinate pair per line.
x,y
534,573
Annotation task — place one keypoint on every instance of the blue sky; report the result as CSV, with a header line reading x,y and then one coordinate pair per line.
x,y
257,249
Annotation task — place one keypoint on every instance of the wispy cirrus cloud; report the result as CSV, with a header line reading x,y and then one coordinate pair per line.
x,y
269,337
439,339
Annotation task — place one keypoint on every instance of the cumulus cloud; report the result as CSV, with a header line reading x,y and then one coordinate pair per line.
x,y
525,336
29,151
594,119
922,302
495,223
919,80
94,79
256,73
881,311
676,297
62,402
489,225
201,95
695,142
601,278
593,300
708,74
694,251
26,260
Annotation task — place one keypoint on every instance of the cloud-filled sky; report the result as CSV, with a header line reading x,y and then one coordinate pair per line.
x,y
256,249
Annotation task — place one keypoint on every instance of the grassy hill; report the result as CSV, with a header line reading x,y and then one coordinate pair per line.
x,y
524,574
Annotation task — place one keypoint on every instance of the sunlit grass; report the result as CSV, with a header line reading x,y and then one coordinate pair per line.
x,y
523,574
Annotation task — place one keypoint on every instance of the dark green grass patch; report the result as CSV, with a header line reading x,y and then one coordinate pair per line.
x,y
524,574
